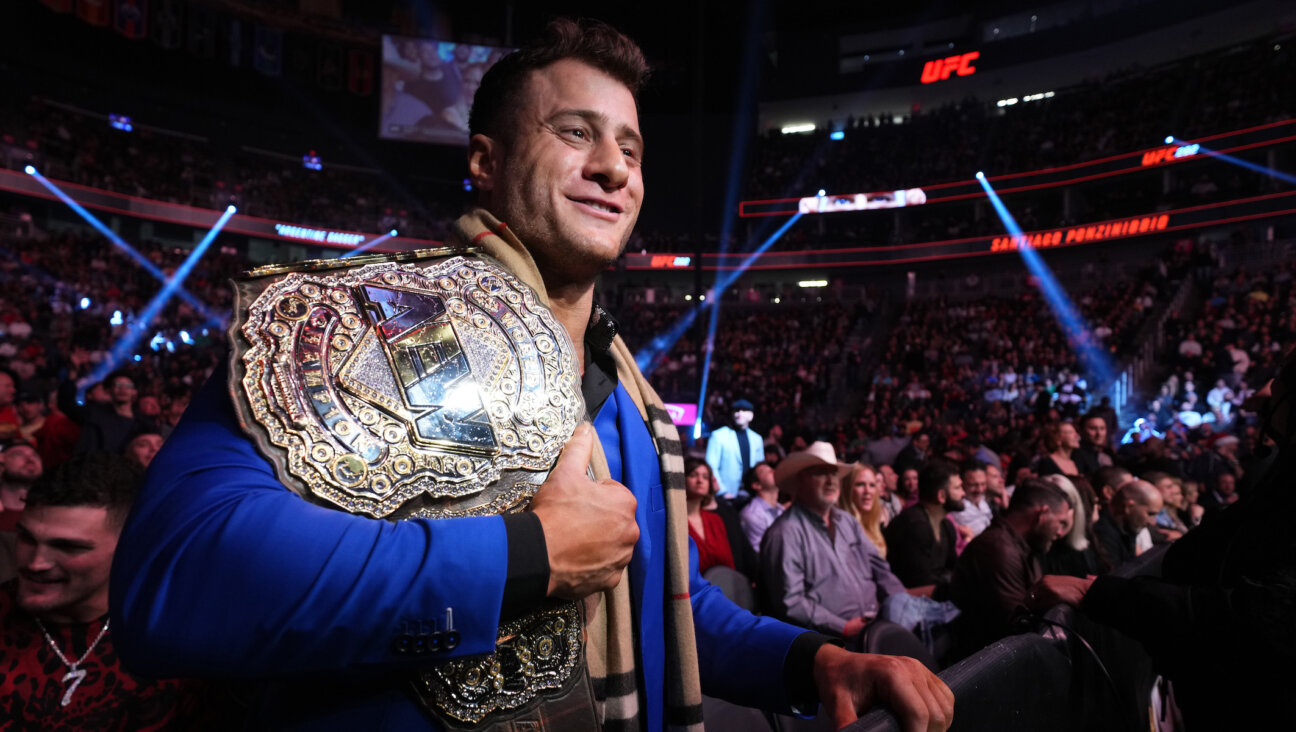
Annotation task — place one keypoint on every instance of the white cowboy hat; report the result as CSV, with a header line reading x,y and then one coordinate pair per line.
x,y
819,453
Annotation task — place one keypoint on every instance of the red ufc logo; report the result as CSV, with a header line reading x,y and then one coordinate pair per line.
x,y
941,70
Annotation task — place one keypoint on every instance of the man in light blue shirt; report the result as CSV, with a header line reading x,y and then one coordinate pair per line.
x,y
732,451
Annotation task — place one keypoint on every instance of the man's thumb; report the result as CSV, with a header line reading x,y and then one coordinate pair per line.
x,y
575,457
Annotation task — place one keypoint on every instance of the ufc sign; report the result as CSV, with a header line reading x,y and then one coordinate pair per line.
x,y
940,70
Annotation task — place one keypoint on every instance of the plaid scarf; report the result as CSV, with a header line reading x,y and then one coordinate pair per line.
x,y
610,631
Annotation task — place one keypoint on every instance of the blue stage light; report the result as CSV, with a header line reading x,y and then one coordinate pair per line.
x,y
121,244
29,170
1169,139
85,303
230,209
185,338
837,135
1197,148
137,358
139,327
1064,311
116,318
369,244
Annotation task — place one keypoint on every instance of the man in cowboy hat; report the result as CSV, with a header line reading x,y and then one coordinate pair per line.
x,y
821,570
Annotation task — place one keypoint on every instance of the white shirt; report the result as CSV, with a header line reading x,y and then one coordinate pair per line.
x,y
974,516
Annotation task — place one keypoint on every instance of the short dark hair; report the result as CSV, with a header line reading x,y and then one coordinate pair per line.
x,y
934,478
1037,492
92,479
1108,475
749,476
972,466
590,41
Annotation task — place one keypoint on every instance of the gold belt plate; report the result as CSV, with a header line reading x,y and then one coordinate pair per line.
x,y
434,388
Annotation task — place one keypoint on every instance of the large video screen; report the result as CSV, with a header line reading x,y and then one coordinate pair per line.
x,y
428,86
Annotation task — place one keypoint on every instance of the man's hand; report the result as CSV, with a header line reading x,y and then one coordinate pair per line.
x,y
1053,589
852,683
854,627
589,527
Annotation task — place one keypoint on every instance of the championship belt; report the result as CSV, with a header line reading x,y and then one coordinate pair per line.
x,y
425,384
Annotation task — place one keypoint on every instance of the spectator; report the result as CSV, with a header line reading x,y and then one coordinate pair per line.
x,y
822,571
1132,511
43,425
54,616
861,497
764,507
1222,495
735,450
921,540
706,528
1094,451
1074,554
108,428
143,445
994,575
977,510
890,498
21,468
1060,441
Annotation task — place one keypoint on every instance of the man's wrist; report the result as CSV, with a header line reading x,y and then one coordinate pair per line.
x,y
527,583
798,671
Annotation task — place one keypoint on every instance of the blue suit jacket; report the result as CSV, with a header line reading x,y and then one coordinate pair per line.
x,y
725,457
221,571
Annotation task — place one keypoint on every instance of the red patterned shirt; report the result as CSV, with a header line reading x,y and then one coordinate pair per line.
x,y
108,698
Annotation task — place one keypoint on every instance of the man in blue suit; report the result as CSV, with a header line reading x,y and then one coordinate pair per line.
x,y
222,571
732,451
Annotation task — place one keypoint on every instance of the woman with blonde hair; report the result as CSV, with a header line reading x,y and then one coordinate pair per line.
x,y
1073,553
861,497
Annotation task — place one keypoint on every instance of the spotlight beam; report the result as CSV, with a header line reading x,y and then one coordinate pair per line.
x,y
1205,151
369,244
1072,322
650,355
139,326
112,236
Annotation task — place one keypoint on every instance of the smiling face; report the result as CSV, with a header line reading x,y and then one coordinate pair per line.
x,y
975,484
1069,438
64,554
567,177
